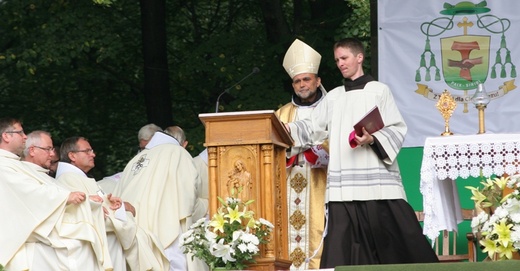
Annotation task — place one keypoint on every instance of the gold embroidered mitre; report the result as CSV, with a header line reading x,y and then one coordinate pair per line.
x,y
301,58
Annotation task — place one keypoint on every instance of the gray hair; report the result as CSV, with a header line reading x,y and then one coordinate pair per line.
x,y
146,132
177,133
33,139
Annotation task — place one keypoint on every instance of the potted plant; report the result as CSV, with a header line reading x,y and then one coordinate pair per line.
x,y
231,239
497,224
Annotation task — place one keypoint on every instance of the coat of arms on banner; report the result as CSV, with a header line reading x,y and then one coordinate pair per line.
x,y
473,48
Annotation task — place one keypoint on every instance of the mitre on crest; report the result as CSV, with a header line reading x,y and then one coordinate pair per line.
x,y
301,58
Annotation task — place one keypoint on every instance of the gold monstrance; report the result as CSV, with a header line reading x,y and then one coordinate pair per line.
x,y
446,105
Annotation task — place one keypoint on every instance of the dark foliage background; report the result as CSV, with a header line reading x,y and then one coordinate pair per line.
x,y
76,68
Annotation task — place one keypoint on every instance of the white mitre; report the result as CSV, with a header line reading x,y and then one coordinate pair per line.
x,y
301,58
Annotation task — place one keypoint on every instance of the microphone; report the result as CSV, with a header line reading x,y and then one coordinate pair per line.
x,y
255,70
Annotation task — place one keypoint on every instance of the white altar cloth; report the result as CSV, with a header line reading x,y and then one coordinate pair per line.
x,y
447,158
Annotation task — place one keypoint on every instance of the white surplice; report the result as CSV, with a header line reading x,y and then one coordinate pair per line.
x,y
36,233
127,242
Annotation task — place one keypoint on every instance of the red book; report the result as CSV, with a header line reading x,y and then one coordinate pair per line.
x,y
372,122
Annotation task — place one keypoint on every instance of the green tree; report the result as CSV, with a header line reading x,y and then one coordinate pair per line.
x,y
74,67
69,67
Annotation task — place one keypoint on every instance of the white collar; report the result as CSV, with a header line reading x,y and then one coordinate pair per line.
x,y
8,154
160,138
67,167
35,166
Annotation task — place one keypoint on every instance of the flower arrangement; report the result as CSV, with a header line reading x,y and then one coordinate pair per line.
x,y
498,221
231,238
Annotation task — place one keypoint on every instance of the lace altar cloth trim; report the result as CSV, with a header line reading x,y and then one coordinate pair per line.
x,y
452,157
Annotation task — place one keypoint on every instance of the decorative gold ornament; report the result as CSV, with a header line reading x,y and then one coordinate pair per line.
x,y
446,105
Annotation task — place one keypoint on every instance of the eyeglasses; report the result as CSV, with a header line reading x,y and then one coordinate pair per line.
x,y
21,132
87,151
48,149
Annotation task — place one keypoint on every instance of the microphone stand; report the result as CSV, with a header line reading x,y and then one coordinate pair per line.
x,y
255,70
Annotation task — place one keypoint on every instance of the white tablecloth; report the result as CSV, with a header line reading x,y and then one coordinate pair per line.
x,y
449,157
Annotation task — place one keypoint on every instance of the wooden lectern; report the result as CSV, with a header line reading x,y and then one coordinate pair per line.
x,y
249,147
